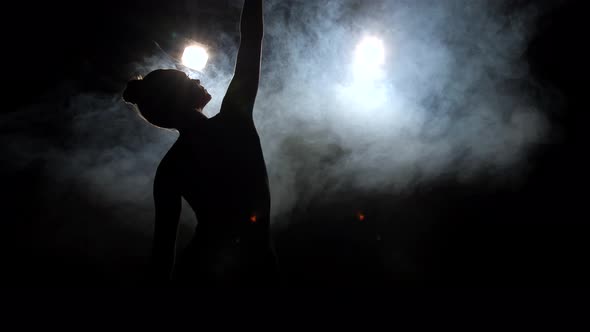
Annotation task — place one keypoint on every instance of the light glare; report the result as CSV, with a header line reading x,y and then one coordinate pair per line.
x,y
195,57
369,58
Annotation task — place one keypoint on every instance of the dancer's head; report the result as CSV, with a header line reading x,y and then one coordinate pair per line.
x,y
166,98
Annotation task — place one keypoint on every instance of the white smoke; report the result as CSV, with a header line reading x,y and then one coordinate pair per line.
x,y
453,101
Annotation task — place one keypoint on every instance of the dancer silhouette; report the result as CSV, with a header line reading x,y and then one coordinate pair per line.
x,y
217,165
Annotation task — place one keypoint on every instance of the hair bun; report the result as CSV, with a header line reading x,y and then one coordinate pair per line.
x,y
133,93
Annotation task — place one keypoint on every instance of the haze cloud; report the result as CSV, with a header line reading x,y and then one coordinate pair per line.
x,y
455,101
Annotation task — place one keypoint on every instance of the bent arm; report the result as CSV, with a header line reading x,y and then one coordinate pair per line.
x,y
241,94
168,206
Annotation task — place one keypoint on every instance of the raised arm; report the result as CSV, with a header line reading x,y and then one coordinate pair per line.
x,y
168,206
241,94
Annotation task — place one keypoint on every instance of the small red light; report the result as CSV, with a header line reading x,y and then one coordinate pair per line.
x,y
253,218
361,216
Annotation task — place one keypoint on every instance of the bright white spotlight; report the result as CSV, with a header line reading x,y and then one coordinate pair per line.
x,y
369,59
195,57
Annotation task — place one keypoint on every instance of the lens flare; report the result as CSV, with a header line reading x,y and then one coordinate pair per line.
x,y
195,57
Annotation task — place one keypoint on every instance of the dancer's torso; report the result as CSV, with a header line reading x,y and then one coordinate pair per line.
x,y
220,171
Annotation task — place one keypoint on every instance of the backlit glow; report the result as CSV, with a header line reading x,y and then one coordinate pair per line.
x,y
369,59
195,57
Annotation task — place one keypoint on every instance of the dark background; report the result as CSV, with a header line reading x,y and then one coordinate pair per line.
x,y
472,234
